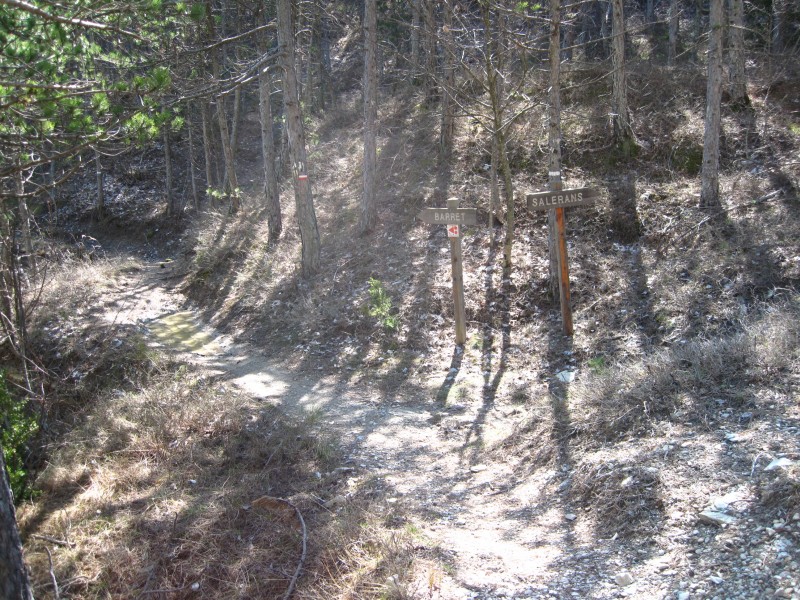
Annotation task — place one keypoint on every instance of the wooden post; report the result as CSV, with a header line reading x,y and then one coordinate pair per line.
x,y
563,270
459,312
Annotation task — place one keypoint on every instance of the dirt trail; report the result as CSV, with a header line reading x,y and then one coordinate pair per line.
x,y
497,530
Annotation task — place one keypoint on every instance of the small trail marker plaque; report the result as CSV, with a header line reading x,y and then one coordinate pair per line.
x,y
558,200
453,217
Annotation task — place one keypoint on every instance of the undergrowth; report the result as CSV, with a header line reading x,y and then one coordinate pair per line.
x,y
17,428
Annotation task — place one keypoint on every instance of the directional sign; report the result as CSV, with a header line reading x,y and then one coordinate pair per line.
x,y
562,199
449,216
452,231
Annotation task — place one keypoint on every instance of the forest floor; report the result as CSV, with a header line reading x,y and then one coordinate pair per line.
x,y
656,454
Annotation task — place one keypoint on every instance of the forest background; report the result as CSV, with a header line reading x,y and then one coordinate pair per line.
x,y
273,155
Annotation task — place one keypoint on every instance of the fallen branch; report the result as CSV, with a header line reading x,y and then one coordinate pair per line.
x,y
56,593
53,540
280,505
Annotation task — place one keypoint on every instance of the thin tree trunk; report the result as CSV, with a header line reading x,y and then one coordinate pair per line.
x,y
369,214
736,61
493,55
100,200
415,26
429,16
192,176
709,192
674,24
554,139
304,203
236,120
208,150
271,194
222,118
779,10
620,118
24,221
14,584
171,208
227,150
448,88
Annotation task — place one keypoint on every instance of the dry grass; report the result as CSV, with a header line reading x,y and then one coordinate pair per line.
x,y
152,492
686,382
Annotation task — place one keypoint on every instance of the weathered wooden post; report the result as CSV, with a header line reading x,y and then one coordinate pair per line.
x,y
558,200
460,315
453,217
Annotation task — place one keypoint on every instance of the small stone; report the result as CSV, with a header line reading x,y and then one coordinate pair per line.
x,y
477,468
683,595
623,579
335,501
195,586
779,463
716,518
570,516
566,376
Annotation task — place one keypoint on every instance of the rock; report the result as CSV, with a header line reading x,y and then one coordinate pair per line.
x,y
715,517
779,463
566,376
336,501
683,595
477,468
570,516
623,579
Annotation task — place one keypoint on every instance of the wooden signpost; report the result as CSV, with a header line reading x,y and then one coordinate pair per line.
x,y
558,200
453,217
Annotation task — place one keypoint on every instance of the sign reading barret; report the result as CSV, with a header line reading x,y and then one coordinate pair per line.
x,y
449,216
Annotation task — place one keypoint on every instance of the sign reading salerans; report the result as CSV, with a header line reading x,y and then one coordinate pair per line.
x,y
562,199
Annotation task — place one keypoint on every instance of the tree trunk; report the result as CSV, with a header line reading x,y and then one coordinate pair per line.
x,y
415,25
736,62
271,194
192,176
222,118
674,24
448,89
621,130
625,223
779,10
171,208
306,218
24,221
429,15
369,214
100,200
236,120
208,149
493,53
14,583
554,139
709,192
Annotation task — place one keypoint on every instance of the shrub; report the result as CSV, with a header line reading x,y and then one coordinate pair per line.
x,y
16,428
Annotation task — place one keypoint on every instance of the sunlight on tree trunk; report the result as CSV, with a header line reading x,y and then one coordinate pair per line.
x,y
674,24
621,130
709,193
736,56
14,583
369,213
554,139
304,203
271,193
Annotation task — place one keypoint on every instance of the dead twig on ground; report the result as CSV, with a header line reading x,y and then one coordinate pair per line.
x,y
280,505
56,593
